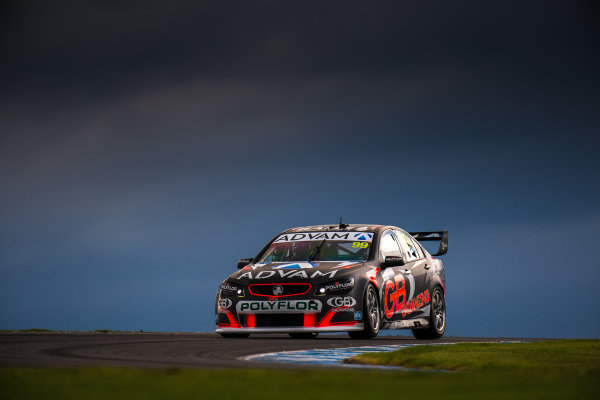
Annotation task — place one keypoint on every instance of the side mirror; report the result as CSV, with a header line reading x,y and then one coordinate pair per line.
x,y
393,261
242,262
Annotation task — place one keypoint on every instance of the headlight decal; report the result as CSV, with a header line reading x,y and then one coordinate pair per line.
x,y
231,290
339,286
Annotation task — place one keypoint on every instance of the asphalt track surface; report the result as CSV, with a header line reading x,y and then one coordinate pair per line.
x,y
188,350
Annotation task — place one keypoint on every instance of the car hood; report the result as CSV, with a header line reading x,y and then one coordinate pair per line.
x,y
293,271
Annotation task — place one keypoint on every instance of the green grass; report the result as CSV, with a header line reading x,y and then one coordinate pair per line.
x,y
556,357
558,370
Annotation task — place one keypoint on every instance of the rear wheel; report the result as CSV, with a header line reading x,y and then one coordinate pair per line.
x,y
234,335
303,335
437,317
370,315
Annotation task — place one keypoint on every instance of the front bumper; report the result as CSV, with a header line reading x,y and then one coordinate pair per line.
x,y
303,312
294,318
286,329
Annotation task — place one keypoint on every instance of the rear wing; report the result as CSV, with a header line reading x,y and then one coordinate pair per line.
x,y
442,236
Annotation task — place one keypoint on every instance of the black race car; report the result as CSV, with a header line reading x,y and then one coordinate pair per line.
x,y
331,278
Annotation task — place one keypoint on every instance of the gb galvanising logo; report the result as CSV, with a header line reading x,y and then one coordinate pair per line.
x,y
225,303
395,298
414,304
341,301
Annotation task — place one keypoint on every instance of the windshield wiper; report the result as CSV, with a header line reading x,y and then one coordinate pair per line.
x,y
316,251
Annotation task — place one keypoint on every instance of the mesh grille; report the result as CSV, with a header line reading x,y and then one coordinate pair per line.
x,y
279,289
271,320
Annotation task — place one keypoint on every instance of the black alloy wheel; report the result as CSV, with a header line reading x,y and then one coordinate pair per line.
x,y
371,315
437,317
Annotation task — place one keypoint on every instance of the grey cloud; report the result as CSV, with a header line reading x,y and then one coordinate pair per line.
x,y
111,47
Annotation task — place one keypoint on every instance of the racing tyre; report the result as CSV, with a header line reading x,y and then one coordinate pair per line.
x,y
437,317
303,335
371,315
234,335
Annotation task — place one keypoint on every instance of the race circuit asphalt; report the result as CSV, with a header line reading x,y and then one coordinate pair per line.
x,y
172,349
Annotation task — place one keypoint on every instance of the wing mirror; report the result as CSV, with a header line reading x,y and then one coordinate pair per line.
x,y
242,262
393,261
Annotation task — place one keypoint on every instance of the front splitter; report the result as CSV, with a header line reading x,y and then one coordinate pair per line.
x,y
346,328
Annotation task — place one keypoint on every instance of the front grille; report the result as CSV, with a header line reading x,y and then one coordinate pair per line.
x,y
279,289
272,320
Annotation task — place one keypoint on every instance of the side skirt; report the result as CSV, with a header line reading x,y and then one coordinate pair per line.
x,y
407,324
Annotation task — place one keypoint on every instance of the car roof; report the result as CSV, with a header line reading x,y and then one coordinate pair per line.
x,y
337,228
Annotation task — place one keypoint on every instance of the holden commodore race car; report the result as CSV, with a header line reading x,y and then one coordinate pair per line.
x,y
337,278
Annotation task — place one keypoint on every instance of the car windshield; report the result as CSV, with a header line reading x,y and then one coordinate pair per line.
x,y
319,246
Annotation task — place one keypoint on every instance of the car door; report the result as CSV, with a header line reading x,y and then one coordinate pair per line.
x,y
398,282
417,270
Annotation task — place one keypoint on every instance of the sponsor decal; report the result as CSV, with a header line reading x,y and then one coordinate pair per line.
x,y
433,235
277,290
341,301
225,303
312,236
419,301
395,295
278,306
253,267
309,228
292,273
229,287
357,315
318,274
409,323
301,265
346,284
347,264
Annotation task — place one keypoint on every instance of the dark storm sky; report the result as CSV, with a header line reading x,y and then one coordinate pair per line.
x,y
144,148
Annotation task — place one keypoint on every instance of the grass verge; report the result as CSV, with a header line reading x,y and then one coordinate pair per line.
x,y
555,357
575,379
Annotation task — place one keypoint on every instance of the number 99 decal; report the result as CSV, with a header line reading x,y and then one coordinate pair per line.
x,y
362,245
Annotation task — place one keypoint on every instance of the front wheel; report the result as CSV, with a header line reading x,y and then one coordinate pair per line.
x,y
437,317
370,315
